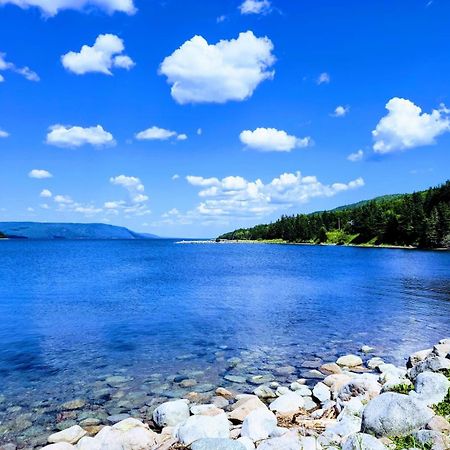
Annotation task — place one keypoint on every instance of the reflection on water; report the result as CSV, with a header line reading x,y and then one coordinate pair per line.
x,y
73,314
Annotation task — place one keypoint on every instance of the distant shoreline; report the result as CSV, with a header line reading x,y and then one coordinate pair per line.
x,y
281,242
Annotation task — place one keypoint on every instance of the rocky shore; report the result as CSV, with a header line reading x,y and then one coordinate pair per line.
x,y
356,405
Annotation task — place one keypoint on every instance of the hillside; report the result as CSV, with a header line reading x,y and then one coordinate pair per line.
x,y
37,230
421,219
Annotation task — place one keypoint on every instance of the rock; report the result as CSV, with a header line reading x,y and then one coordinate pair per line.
x,y
261,379
246,442
259,424
116,418
235,379
330,368
431,388
322,392
90,422
287,403
314,374
363,388
281,390
71,435
442,349
367,349
374,363
206,410
392,414
220,402
285,370
301,389
129,434
346,425
439,423
217,444
310,443
362,441
11,446
289,441
118,380
198,427
59,446
431,364
224,393
417,357
88,443
171,413
244,406
433,439
73,404
349,361
264,392
189,382
309,403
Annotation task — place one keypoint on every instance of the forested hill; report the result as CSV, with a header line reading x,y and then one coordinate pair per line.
x,y
420,219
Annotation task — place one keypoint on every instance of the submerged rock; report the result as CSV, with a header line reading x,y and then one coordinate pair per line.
x,y
349,361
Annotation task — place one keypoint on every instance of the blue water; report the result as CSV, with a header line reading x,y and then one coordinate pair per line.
x,y
73,313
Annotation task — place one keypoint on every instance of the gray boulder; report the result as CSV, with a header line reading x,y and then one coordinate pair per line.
x,y
392,414
431,364
362,441
431,388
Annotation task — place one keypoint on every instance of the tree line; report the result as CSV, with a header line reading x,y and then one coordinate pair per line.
x,y
421,219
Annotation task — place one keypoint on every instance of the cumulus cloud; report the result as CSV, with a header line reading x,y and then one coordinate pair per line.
x,y
216,73
175,176
357,156
255,7
272,140
341,111
3,133
39,174
406,126
102,57
45,193
234,196
323,78
26,72
75,136
159,134
52,7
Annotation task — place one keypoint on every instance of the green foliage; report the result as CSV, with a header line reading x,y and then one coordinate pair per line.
x,y
403,388
421,219
443,408
406,442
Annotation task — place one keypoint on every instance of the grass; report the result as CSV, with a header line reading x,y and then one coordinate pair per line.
x,y
405,442
403,388
443,408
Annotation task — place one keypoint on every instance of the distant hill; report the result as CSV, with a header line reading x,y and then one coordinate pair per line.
x,y
421,219
38,230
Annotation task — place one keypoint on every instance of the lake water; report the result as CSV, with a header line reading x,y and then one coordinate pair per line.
x,y
74,314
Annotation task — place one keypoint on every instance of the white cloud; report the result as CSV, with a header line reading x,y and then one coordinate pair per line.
x,y
52,7
221,19
323,78
199,131
63,199
40,174
175,176
45,193
272,140
26,72
3,133
255,7
159,134
406,126
229,70
102,57
75,136
135,189
44,206
234,196
341,111
357,156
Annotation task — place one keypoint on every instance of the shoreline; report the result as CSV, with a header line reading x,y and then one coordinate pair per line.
x,y
281,242
352,399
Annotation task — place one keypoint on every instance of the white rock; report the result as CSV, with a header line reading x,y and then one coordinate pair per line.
x,y
281,390
392,414
198,427
367,349
431,364
287,403
70,435
362,441
349,361
310,443
244,406
217,444
171,413
417,357
373,363
206,410
309,403
363,388
347,425
289,441
322,392
431,388
259,424
301,389
264,392
278,431
89,443
59,446
246,442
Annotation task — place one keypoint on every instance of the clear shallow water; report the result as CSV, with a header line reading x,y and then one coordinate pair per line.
x,y
73,313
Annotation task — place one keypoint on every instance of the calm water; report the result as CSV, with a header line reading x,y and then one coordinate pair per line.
x,y
74,313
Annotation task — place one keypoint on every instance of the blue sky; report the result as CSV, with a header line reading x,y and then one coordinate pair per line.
x,y
190,118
